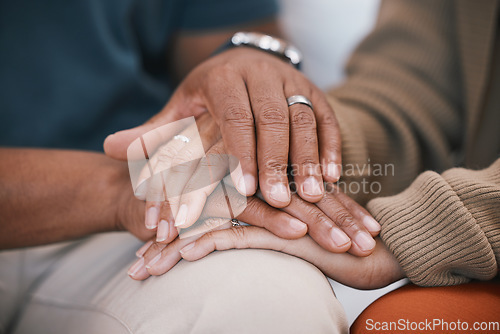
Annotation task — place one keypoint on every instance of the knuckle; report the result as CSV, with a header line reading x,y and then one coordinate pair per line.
x,y
237,112
276,165
345,220
311,139
211,224
246,156
316,216
165,152
307,163
239,235
222,71
210,235
304,118
264,66
271,113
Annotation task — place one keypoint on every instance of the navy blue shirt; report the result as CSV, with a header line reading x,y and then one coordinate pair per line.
x,y
74,71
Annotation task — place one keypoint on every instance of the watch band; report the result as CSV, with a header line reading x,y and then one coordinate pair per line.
x,y
266,43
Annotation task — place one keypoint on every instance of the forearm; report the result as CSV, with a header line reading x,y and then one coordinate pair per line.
x,y
54,195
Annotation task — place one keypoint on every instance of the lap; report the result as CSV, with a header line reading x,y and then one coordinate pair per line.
x,y
231,291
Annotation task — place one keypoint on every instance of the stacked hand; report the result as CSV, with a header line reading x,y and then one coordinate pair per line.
x,y
241,88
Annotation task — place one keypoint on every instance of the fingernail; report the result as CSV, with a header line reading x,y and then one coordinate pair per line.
x,y
364,241
339,238
181,216
187,248
134,269
152,217
334,170
312,187
280,193
140,252
162,232
153,261
246,184
371,224
296,225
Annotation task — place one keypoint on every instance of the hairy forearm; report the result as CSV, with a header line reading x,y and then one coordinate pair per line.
x,y
54,195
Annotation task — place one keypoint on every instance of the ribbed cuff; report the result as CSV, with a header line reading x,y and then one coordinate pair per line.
x,y
435,238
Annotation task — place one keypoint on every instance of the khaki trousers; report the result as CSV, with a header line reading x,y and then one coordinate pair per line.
x,y
82,287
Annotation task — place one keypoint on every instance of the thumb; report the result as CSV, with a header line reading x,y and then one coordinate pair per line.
x,y
116,145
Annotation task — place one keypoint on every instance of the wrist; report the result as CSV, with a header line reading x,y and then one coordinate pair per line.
x,y
265,43
115,186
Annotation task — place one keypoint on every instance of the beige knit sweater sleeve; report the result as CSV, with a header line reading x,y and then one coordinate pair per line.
x,y
445,229
402,106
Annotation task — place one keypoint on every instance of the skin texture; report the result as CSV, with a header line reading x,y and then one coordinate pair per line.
x,y
54,195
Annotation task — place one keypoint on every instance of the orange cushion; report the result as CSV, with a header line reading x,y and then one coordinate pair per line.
x,y
467,308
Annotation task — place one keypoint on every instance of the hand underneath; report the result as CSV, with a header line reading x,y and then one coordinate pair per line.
x,y
377,270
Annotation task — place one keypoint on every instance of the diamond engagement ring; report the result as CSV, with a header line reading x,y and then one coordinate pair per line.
x,y
182,138
299,99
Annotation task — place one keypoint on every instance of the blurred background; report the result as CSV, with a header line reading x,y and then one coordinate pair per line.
x,y
327,31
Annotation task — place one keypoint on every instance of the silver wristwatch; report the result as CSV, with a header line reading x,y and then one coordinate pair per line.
x,y
268,44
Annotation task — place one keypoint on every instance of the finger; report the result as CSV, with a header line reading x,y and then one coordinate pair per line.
x,y
161,159
151,180
228,101
272,124
259,213
330,142
204,180
179,107
154,188
304,154
156,198
176,161
140,252
240,237
152,254
161,260
253,211
164,233
204,226
371,225
362,241
138,270
152,214
320,227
